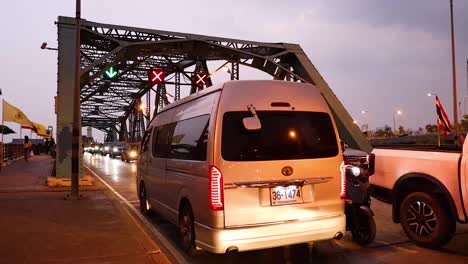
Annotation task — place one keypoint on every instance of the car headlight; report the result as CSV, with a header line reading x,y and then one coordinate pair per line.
x,y
133,154
116,149
106,148
96,148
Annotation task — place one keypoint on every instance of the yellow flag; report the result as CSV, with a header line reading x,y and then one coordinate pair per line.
x,y
41,130
13,114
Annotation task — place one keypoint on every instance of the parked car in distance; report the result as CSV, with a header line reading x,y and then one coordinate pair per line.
x,y
130,152
106,148
116,149
245,165
95,148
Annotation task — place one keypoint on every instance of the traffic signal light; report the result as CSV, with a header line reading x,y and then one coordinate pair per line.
x,y
111,73
199,79
156,76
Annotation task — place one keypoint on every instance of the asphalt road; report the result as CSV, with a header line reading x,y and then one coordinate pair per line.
x,y
391,244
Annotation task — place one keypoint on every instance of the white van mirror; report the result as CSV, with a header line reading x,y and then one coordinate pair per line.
x,y
252,123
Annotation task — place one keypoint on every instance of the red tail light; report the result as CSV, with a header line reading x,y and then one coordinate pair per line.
x,y
343,181
215,189
371,162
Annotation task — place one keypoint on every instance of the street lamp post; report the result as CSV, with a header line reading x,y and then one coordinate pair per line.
x,y
454,79
398,112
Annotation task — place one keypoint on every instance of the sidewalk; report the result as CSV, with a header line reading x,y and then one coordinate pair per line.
x,y
37,225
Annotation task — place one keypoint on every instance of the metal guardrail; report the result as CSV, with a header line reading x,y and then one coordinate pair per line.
x,y
11,151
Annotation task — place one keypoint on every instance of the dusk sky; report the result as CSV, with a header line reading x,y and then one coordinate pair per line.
x,y
377,55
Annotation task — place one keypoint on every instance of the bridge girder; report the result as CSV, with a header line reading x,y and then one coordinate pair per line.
x,y
133,51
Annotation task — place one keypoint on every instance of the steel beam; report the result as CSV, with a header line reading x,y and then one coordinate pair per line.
x,y
136,50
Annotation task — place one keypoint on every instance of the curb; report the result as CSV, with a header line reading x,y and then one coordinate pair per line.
x,y
142,220
66,182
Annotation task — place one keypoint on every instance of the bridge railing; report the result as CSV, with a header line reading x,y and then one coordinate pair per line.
x,y
11,151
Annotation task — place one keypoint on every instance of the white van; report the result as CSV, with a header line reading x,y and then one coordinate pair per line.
x,y
245,165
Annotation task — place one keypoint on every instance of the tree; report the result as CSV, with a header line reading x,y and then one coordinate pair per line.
x,y
431,128
401,130
464,123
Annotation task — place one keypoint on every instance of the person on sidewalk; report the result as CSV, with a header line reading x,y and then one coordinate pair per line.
x,y
27,147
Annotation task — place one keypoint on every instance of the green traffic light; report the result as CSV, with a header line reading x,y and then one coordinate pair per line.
x,y
111,73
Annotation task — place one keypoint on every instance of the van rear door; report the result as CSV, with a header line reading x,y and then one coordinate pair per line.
x,y
286,171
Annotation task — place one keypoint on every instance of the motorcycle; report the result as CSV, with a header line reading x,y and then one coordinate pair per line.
x,y
356,170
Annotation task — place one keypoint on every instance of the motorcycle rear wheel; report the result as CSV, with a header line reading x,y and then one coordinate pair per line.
x,y
364,229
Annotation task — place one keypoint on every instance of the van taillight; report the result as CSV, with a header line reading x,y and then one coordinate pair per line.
x,y
343,180
216,192
371,162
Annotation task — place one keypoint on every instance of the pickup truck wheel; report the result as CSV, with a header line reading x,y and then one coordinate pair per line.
x,y
426,220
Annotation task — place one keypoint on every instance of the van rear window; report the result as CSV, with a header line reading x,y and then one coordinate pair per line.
x,y
284,135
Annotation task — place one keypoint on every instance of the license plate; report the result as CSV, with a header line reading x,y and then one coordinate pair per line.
x,y
286,195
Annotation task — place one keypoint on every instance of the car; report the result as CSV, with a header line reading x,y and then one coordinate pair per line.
x,y
130,152
106,149
245,165
95,148
116,149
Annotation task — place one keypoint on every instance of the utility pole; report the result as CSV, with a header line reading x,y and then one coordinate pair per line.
x,y
454,79
76,111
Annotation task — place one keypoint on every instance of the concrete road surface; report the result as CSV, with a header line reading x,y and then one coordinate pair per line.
x,y
391,244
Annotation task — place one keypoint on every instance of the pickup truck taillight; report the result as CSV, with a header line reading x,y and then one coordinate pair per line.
x,y
371,162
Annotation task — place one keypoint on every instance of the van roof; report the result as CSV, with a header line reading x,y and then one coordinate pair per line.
x,y
255,84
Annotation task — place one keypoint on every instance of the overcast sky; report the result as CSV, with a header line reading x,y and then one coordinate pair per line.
x,y
377,55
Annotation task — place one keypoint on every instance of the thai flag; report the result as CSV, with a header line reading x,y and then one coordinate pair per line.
x,y
442,119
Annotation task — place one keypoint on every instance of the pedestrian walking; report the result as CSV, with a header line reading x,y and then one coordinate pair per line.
x,y
27,145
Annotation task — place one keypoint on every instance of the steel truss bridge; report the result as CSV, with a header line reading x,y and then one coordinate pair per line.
x,y
112,106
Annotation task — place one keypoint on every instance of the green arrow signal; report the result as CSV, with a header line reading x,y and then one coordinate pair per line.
x,y
111,73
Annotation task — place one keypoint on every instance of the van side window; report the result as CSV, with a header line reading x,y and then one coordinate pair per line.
x,y
154,140
162,140
186,139
145,141
190,139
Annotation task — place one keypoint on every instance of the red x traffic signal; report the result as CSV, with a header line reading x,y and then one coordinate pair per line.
x,y
156,76
199,78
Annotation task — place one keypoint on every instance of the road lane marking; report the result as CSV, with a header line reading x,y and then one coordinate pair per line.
x,y
174,252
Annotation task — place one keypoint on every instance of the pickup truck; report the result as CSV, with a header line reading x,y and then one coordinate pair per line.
x,y
428,189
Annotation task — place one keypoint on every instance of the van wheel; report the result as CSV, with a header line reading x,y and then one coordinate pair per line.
x,y
186,229
144,206
426,220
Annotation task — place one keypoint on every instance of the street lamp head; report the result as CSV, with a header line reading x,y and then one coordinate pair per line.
x,y
399,112
226,69
44,45
431,94
363,111
142,107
